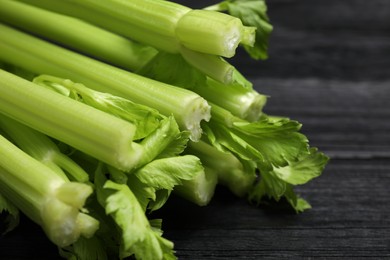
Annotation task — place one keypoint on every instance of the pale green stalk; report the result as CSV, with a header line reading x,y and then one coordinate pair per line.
x,y
211,65
76,34
199,190
162,24
230,171
245,103
42,148
44,196
99,43
92,131
44,58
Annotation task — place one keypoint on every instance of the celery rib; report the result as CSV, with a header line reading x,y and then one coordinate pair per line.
x,y
162,24
228,169
76,34
45,197
92,131
245,103
42,148
102,44
42,57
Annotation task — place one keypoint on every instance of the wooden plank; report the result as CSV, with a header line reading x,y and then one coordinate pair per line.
x,y
339,55
352,15
346,118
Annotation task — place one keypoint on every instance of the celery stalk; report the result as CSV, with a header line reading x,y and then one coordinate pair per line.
x,y
243,102
162,24
102,44
42,148
44,58
158,136
92,131
213,32
76,34
199,190
99,43
144,118
231,173
211,65
46,198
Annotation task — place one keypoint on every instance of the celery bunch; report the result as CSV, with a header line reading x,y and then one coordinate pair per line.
x,y
109,107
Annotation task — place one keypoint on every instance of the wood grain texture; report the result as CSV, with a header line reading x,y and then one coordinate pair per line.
x,y
348,119
329,69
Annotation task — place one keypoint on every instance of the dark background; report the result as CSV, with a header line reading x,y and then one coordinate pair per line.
x,y
329,69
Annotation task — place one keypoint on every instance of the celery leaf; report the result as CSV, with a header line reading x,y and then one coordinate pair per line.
x,y
281,152
279,181
138,237
279,142
252,13
86,249
162,175
301,171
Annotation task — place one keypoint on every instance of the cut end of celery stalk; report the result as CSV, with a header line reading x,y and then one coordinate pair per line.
x,y
211,65
46,198
199,190
198,110
254,110
230,172
212,32
248,36
62,219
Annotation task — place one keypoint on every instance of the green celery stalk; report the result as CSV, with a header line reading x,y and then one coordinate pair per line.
x,y
199,190
230,171
99,43
42,148
42,57
195,31
44,196
144,118
158,136
252,13
243,102
76,34
211,65
85,128
238,97
162,24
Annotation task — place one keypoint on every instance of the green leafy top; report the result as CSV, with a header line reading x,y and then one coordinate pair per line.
x,y
281,153
137,236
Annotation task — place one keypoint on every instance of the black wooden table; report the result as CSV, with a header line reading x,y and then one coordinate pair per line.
x,y
329,68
